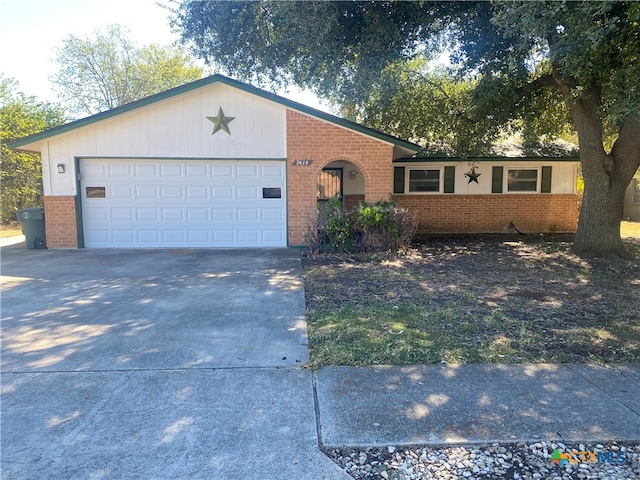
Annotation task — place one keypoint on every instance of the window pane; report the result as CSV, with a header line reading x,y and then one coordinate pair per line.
x,y
522,181
424,180
330,184
271,192
96,192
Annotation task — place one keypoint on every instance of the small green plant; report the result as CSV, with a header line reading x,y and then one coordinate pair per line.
x,y
385,225
382,225
337,224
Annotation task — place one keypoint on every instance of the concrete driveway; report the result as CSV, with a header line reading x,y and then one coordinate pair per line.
x,y
156,364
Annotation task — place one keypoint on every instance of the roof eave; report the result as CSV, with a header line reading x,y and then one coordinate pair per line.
x,y
35,139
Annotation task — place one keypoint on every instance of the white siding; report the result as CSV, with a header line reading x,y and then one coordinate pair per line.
x,y
176,127
563,174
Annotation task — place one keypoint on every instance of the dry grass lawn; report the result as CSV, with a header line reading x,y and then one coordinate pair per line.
x,y
10,230
476,298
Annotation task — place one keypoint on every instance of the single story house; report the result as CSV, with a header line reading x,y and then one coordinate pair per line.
x,y
631,210
219,163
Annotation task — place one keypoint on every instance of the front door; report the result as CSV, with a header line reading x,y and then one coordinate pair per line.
x,y
330,184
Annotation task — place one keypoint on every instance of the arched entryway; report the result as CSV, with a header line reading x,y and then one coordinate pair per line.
x,y
343,180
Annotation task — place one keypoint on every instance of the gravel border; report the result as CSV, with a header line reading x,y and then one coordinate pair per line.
x,y
500,461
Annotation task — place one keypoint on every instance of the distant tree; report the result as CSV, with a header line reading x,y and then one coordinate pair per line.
x,y
20,172
110,70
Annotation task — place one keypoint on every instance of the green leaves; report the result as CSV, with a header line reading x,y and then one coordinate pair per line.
x,y
20,172
110,70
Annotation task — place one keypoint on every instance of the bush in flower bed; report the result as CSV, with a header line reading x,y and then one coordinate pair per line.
x,y
379,226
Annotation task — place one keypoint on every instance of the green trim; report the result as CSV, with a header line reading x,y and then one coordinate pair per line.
x,y
286,204
545,181
443,160
217,78
497,177
449,179
154,157
79,218
484,159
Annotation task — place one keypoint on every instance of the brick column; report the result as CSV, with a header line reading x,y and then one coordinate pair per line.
x,y
60,222
309,138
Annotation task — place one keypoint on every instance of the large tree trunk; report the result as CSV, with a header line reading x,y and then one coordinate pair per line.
x,y
598,232
606,177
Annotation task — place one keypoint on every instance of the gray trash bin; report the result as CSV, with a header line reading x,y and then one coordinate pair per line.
x,y
32,224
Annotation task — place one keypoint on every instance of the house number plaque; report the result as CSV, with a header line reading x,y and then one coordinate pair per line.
x,y
302,162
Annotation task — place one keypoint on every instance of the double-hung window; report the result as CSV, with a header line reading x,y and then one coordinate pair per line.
x,y
522,180
427,180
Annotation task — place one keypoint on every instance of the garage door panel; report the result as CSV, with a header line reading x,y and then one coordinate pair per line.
x,y
248,214
150,237
197,192
172,191
144,169
118,169
198,214
247,193
147,214
224,237
173,237
123,236
272,171
272,236
176,203
250,171
249,237
145,191
272,214
172,215
170,170
118,191
222,193
118,214
222,171
222,214
197,171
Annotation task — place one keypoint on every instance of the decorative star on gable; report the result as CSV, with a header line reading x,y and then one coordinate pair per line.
x,y
221,122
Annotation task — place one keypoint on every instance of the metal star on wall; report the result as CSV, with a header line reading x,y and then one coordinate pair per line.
x,y
221,122
473,175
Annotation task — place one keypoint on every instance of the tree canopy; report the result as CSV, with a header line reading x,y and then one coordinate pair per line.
x,y
110,70
20,172
521,58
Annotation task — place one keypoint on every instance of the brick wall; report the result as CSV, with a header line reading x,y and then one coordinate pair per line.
x,y
352,201
60,222
311,139
492,213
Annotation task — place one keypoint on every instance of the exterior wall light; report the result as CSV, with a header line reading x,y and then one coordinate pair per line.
x,y
61,168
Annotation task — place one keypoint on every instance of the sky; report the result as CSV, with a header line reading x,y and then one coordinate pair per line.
x,y
31,29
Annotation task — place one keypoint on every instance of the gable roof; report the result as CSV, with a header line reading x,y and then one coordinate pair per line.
x,y
217,78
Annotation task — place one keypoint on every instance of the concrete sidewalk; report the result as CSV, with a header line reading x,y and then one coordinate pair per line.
x,y
477,404
15,240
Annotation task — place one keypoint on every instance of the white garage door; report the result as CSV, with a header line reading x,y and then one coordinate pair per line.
x,y
183,203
